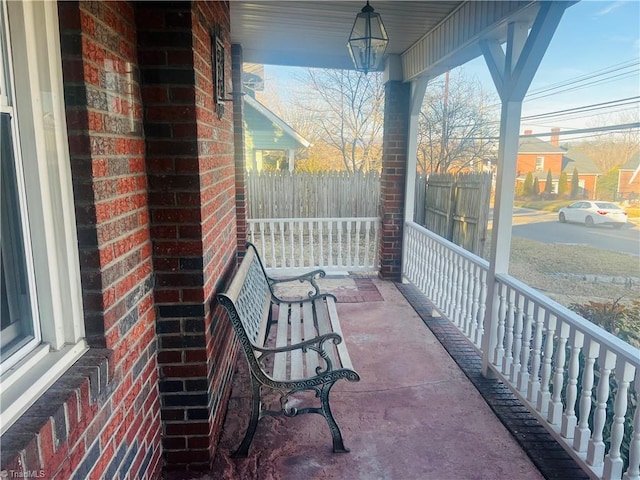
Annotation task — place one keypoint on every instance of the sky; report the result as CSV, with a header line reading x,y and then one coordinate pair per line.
x,y
593,58
598,42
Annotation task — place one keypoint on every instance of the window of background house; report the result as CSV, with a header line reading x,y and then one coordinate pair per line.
x,y
42,331
539,164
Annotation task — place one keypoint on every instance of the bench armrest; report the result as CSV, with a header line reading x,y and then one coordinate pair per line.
x,y
316,344
310,277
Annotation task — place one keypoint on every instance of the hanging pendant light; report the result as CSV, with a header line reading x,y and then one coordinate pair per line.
x,y
368,40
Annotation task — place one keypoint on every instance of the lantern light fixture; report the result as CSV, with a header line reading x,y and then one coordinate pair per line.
x,y
368,40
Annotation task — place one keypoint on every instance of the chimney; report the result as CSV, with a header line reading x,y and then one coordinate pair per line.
x,y
528,132
555,137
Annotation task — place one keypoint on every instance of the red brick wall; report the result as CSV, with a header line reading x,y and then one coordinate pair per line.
x,y
628,189
590,182
190,164
527,163
102,418
392,180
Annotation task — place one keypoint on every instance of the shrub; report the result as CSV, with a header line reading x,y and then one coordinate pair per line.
x,y
563,184
615,317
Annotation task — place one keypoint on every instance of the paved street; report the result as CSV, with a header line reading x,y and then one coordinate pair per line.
x,y
544,227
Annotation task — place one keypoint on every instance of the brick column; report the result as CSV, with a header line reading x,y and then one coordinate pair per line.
x,y
392,181
190,172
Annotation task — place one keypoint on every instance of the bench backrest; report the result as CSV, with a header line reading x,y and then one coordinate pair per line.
x,y
248,301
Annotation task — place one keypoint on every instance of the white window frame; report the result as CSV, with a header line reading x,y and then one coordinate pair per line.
x,y
37,90
541,167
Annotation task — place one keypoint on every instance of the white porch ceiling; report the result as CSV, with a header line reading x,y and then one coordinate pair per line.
x,y
315,33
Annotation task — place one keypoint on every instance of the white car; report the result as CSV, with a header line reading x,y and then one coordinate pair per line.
x,y
593,213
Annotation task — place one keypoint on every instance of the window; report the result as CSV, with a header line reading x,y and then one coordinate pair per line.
x,y
41,303
539,164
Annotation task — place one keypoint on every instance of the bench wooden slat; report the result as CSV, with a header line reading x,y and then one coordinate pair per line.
x,y
311,357
280,359
296,337
335,323
324,327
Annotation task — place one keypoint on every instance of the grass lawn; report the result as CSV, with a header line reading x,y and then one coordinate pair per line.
x,y
574,274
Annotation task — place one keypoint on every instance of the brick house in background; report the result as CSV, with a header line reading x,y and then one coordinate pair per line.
x,y
538,157
117,364
629,179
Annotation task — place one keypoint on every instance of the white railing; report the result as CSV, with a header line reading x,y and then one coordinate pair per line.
x,y
333,244
581,382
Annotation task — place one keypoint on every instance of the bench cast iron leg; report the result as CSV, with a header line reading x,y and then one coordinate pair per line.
x,y
243,449
338,444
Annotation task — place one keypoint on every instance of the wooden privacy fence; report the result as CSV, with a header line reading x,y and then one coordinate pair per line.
x,y
312,195
455,206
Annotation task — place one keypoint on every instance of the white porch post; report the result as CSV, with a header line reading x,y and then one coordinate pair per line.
x,y
418,88
512,73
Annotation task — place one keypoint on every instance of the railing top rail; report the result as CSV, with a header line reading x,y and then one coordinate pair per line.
x,y
314,219
605,339
481,262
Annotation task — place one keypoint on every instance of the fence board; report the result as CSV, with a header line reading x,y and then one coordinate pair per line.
x,y
312,195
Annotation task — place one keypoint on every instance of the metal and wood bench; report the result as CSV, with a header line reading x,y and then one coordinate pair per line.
x,y
305,352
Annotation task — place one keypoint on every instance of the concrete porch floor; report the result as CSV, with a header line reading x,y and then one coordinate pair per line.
x,y
414,415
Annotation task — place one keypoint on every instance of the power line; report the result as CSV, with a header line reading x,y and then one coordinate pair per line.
x,y
588,76
537,94
606,128
595,106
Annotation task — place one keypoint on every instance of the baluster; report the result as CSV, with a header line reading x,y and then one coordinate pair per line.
x,y
518,322
456,286
582,432
475,302
300,242
252,233
483,307
427,266
312,241
417,260
523,378
367,246
330,242
555,405
633,472
507,360
357,254
536,354
449,292
613,463
466,298
283,243
498,352
292,252
339,226
430,265
544,395
440,278
569,419
418,268
595,450
272,229
263,248
349,240
376,239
